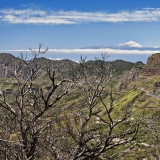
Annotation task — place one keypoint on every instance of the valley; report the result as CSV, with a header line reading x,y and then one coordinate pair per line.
x,y
99,109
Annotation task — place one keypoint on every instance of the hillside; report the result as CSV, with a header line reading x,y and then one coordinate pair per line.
x,y
121,65
62,68
143,95
133,94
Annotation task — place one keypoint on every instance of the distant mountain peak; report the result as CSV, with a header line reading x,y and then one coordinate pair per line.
x,y
130,44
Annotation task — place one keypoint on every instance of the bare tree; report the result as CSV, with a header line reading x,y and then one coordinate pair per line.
x,y
88,128
26,116
93,127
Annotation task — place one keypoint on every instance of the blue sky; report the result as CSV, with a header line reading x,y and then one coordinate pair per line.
x,y
67,26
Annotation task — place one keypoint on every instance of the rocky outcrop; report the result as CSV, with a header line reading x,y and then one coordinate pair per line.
x,y
154,60
153,65
7,61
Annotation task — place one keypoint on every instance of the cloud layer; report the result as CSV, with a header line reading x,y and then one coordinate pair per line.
x,y
30,16
91,51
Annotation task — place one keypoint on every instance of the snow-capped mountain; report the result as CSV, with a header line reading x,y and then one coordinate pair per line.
x,y
130,44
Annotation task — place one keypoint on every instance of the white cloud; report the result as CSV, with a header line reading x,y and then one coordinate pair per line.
x,y
23,12
90,51
30,16
99,51
57,59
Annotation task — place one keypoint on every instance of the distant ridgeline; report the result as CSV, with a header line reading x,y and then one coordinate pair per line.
x,y
153,65
8,63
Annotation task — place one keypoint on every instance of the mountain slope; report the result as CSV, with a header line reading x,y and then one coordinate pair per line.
x,y
139,97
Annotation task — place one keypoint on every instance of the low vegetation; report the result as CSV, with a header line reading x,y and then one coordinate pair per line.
x,y
75,111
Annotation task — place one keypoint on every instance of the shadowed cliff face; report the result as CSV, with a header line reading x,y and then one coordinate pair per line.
x,y
153,65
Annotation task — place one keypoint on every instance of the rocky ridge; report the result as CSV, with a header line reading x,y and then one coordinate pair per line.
x,y
153,65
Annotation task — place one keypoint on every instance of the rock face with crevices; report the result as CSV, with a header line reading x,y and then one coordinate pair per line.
x,y
153,65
